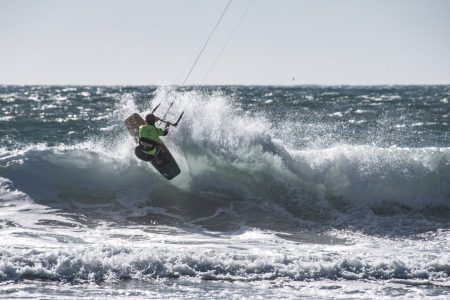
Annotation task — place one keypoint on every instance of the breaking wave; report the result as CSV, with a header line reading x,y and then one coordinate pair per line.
x,y
223,151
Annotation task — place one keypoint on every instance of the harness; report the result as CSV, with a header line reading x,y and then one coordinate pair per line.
x,y
147,144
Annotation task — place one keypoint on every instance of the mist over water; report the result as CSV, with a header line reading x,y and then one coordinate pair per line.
x,y
294,191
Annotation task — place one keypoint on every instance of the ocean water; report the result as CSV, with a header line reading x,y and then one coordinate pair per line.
x,y
285,192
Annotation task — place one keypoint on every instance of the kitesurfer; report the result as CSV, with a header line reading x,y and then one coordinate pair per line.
x,y
149,142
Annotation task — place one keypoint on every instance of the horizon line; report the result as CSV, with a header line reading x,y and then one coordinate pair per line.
x,y
226,85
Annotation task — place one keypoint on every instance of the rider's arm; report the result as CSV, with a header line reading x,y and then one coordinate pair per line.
x,y
166,129
163,132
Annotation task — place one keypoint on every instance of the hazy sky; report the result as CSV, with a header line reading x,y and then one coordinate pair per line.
x,y
155,42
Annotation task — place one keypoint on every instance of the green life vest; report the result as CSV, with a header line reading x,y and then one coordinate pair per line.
x,y
149,138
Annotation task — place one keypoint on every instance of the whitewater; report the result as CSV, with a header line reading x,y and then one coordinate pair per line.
x,y
327,192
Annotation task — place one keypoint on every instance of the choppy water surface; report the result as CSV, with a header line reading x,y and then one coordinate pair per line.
x,y
323,192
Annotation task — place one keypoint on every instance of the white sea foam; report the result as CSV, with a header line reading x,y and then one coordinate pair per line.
x,y
219,259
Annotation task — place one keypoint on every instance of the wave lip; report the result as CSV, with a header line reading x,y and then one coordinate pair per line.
x,y
416,178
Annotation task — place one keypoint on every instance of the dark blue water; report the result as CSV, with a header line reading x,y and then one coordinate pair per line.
x,y
382,115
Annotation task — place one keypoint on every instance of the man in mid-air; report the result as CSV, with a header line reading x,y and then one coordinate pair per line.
x,y
149,142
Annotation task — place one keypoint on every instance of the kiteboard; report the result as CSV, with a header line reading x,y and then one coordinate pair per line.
x,y
163,160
